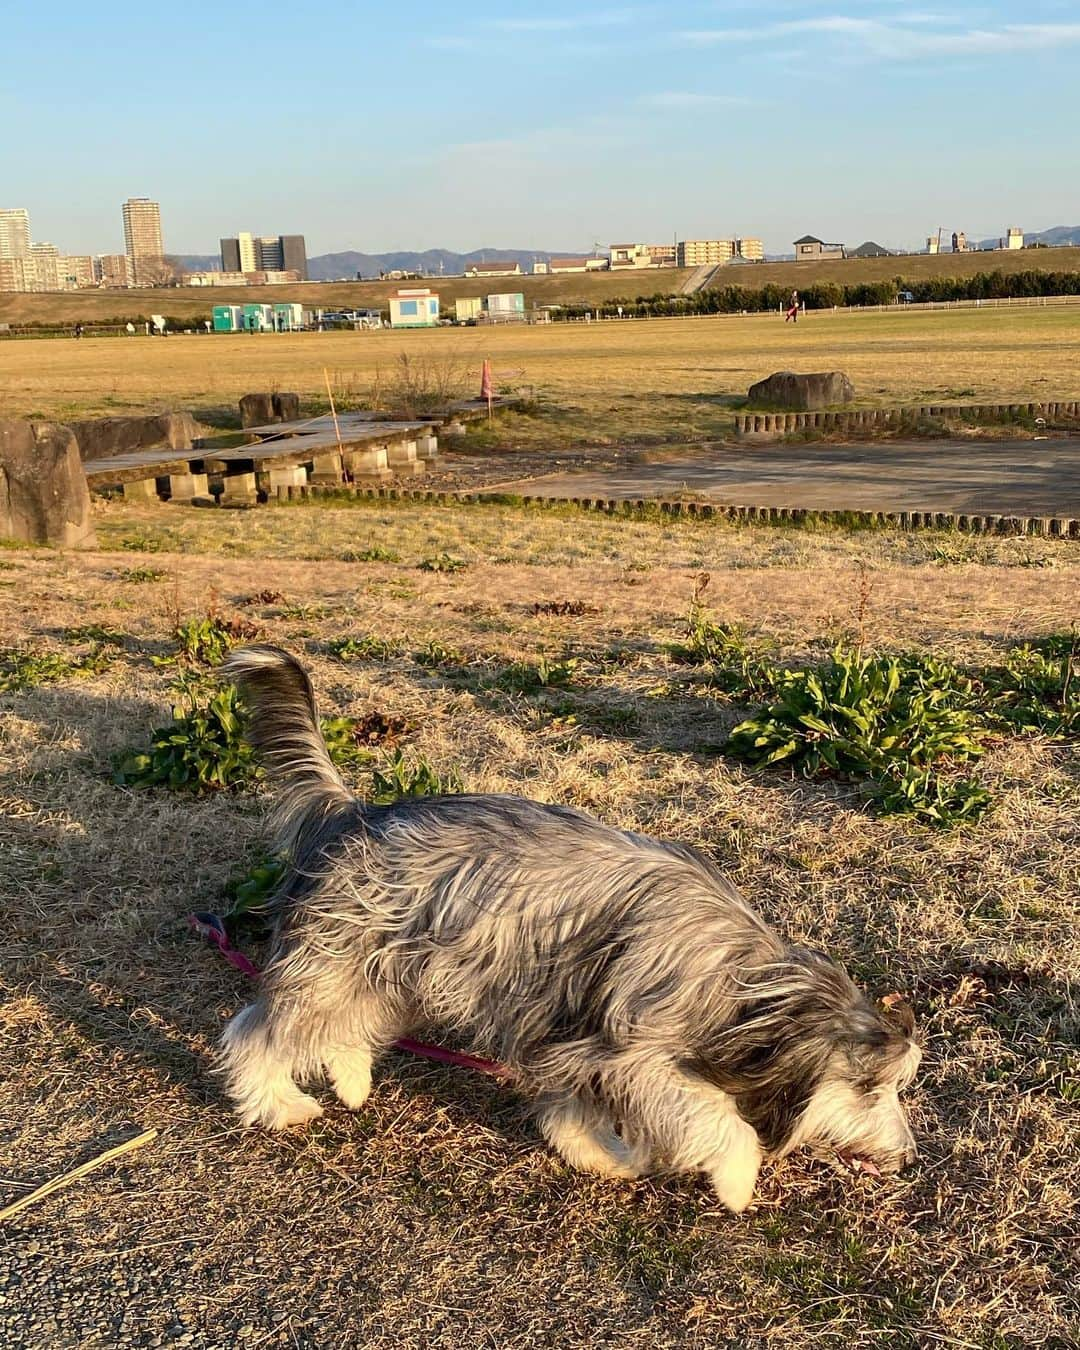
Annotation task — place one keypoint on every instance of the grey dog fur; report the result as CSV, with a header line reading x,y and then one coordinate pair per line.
x,y
653,1017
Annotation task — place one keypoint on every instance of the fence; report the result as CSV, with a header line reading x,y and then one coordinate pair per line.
x,y
1048,527
771,426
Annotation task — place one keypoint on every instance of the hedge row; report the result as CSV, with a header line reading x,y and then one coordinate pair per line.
x,y
827,295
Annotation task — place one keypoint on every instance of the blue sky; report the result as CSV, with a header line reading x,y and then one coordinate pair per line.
x,y
378,126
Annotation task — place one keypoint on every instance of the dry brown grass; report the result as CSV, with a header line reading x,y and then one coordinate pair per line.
x,y
435,1217
610,382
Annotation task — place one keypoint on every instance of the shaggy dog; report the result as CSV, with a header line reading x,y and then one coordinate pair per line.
x,y
650,1014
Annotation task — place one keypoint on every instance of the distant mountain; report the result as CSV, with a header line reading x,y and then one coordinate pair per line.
x,y
1058,236
432,262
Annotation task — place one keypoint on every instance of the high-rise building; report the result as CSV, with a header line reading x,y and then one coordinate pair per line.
x,y
265,253
142,238
249,256
294,255
271,255
14,232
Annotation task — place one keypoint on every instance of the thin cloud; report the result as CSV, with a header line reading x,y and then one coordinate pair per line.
x,y
900,37
686,98
451,44
607,18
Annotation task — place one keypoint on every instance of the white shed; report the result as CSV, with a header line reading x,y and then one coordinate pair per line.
x,y
416,308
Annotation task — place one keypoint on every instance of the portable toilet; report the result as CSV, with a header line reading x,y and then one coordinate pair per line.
x,y
288,317
258,318
226,318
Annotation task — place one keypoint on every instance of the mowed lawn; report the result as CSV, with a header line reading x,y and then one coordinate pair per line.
x,y
601,382
435,1217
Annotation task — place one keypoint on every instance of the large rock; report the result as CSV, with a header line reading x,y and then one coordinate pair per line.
x,y
787,392
43,494
260,410
103,437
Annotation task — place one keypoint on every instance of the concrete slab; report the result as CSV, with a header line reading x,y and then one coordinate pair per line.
x,y
978,477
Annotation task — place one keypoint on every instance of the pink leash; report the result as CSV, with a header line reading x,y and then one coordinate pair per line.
x,y
210,927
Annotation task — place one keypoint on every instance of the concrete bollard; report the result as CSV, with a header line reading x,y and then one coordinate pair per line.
x,y
238,489
184,487
143,491
289,475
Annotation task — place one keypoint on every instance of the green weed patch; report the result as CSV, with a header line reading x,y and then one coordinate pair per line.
x,y
22,669
906,724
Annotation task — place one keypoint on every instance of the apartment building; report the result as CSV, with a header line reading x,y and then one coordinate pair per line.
x,y
14,232
713,252
143,241
114,271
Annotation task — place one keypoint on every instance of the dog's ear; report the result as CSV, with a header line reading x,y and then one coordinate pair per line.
x,y
898,1012
878,1037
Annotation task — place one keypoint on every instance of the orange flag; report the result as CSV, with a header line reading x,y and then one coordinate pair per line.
x,y
485,381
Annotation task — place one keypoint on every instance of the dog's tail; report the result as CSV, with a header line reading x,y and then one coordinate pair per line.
x,y
283,726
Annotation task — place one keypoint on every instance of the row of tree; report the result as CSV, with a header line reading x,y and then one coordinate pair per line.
x,y
828,295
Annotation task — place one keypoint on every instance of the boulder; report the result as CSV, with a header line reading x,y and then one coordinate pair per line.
x,y
256,410
286,407
103,437
43,494
260,410
785,391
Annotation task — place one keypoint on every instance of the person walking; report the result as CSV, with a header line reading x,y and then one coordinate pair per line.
x,y
793,308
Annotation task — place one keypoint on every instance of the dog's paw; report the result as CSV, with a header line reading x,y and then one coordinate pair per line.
x,y
351,1077
299,1111
351,1093
628,1161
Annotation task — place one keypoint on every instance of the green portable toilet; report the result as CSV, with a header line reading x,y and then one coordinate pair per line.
x,y
288,316
253,318
225,318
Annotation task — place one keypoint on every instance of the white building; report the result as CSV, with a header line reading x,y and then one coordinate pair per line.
x,y
493,269
1014,237
621,256
414,308
14,232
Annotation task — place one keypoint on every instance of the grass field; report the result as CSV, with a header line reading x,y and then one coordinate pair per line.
x,y
609,382
91,306
435,1217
